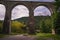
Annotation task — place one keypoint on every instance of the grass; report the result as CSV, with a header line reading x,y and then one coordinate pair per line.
x,y
57,37
40,36
12,34
47,36
2,35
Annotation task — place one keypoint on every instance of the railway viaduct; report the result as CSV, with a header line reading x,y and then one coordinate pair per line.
x,y
31,5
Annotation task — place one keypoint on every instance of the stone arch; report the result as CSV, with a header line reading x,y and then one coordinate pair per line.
x,y
19,4
2,2
27,10
49,7
45,5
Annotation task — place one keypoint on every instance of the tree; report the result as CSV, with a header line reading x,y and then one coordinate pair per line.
x,y
57,21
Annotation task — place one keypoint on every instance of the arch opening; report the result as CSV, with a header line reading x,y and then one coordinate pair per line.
x,y
42,11
19,11
42,17
20,14
2,11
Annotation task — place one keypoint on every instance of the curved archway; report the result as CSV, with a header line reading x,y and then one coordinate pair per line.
x,y
42,11
20,11
20,14
42,19
2,11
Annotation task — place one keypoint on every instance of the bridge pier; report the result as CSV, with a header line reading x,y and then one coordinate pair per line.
x,y
31,20
7,21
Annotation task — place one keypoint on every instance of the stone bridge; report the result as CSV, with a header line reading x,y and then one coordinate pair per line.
x,y
31,5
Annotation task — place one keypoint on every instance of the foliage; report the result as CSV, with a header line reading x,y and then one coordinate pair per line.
x,y
20,25
45,26
48,24
57,24
47,36
17,26
2,35
38,22
57,21
57,4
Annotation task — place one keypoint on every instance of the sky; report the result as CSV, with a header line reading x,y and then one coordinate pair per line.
x,y
20,11
2,11
36,0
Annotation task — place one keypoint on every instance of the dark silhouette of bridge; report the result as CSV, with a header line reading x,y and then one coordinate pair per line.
x,y
31,5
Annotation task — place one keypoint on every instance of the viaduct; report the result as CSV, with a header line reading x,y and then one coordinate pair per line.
x,y
31,5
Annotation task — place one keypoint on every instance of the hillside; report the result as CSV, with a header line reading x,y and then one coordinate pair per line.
x,y
36,18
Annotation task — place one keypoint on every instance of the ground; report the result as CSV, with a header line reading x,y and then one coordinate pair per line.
x,y
18,37
38,36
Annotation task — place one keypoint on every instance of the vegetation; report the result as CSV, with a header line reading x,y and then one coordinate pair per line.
x,y
47,36
17,27
57,21
43,24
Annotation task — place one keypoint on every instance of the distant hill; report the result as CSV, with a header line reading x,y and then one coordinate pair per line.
x,y
36,18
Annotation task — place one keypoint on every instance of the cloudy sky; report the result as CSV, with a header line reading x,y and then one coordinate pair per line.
x,y
36,0
22,11
2,11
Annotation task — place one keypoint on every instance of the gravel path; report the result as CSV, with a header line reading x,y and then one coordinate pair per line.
x,y
18,37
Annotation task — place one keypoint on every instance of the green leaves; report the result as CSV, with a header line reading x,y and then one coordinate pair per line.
x,y
57,3
57,21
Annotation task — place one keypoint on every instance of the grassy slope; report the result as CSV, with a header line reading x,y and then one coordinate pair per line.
x,y
42,36
47,36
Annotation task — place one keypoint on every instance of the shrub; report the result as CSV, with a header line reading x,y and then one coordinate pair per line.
x,y
45,27
17,26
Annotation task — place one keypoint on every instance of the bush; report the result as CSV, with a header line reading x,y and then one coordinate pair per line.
x,y
45,27
17,26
